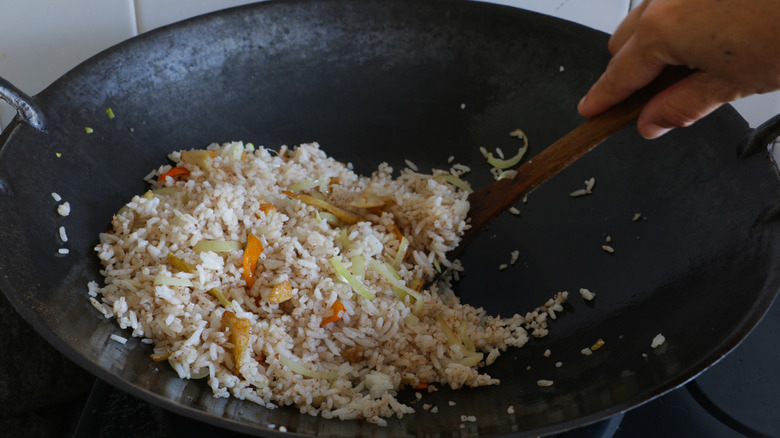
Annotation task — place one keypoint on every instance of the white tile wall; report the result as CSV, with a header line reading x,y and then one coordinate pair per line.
x,y
42,39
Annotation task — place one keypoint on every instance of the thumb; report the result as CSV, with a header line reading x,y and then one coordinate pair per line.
x,y
683,103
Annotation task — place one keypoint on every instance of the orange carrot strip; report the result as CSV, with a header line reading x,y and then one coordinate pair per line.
x,y
397,232
421,385
251,254
176,171
338,312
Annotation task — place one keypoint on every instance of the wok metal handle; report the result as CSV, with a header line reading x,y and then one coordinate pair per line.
x,y
26,107
759,138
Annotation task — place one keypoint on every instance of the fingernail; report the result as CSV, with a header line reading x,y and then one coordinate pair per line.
x,y
582,101
652,131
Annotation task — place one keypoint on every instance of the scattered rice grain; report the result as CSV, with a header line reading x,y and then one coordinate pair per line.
x,y
658,340
63,209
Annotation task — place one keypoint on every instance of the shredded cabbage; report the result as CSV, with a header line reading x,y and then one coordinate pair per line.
x,y
298,368
399,257
165,280
216,246
389,274
356,284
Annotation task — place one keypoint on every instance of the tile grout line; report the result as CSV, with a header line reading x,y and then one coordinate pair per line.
x,y
134,11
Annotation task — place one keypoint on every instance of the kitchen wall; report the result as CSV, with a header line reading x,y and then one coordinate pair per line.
x,y
40,40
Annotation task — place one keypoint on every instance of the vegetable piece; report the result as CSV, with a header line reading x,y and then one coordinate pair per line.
x,y
180,264
353,354
338,312
401,255
200,373
216,293
280,292
468,361
391,276
507,174
240,329
396,231
234,150
304,185
160,356
252,252
216,246
176,171
377,383
356,284
298,368
451,338
347,216
267,208
375,195
110,113
199,157
164,280
454,180
330,218
358,267
421,385
88,130
465,338
510,162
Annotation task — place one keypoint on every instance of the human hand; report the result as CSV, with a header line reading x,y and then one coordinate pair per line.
x,y
733,46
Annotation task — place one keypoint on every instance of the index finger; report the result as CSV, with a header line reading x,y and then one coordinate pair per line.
x,y
629,70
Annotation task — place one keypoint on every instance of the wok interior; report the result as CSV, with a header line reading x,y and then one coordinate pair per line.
x,y
385,81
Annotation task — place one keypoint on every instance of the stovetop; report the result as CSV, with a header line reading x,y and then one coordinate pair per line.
x,y
737,397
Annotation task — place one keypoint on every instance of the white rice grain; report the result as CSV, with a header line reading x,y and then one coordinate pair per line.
x,y
63,209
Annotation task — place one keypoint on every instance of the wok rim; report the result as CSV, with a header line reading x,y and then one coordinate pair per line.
x,y
722,349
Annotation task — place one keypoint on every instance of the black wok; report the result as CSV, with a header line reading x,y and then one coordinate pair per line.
x,y
387,80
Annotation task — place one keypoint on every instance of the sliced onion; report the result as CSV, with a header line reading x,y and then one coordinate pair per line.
x,y
454,180
217,246
165,280
330,218
200,373
302,186
510,162
511,174
356,284
399,256
451,338
298,368
468,361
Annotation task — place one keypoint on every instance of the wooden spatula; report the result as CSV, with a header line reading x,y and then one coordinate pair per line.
x,y
488,202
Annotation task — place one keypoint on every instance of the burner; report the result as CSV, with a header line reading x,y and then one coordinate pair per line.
x,y
743,389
